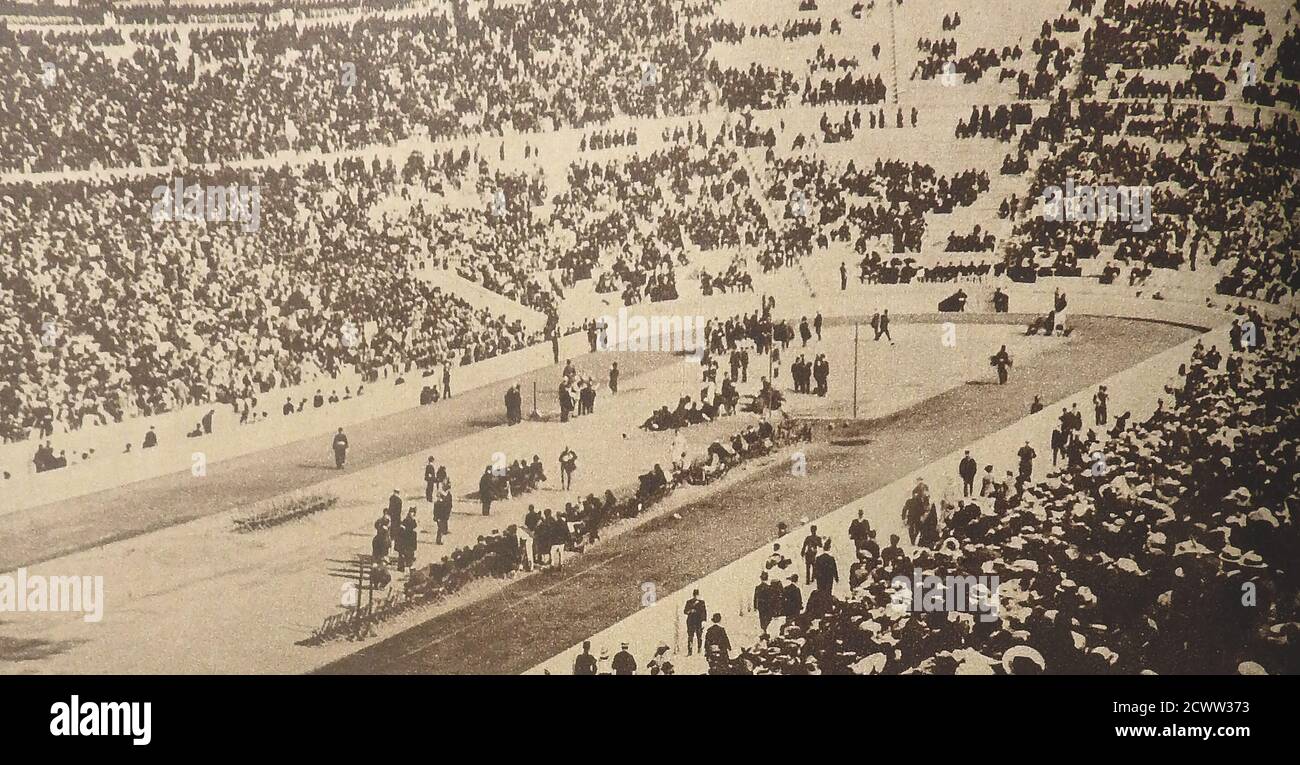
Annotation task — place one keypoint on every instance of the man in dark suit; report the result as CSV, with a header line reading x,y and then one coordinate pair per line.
x,y
394,512
1027,455
826,572
585,664
793,601
1059,438
859,531
1001,360
624,663
430,480
717,637
822,372
442,510
812,545
766,601
967,470
485,484
696,612
1099,400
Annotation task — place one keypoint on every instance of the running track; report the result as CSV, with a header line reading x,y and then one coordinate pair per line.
x,y
56,529
536,617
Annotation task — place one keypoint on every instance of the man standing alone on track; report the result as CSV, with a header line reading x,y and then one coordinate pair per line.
x,y
967,470
485,484
696,612
1001,360
812,545
340,446
1027,455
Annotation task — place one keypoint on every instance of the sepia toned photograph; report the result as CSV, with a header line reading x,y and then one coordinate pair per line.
x,y
648,337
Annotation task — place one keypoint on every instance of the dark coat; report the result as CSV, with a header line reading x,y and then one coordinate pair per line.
x,y
793,601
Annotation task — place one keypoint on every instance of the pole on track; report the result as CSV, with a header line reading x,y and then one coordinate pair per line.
x,y
855,370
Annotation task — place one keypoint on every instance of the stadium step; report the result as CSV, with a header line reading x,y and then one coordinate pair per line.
x,y
483,298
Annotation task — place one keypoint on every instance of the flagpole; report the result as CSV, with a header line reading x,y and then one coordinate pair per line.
x,y
855,370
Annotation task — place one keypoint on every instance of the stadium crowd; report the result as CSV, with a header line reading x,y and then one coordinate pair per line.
x,y
1109,564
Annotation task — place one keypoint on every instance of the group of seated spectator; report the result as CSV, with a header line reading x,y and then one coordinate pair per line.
x,y
1000,123
546,535
689,412
844,89
644,209
607,139
844,130
327,82
1230,218
976,241
1106,566
729,31
516,478
958,272
941,61
734,279
45,458
756,440
110,314
844,203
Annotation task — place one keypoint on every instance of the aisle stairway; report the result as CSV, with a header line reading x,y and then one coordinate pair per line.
x,y
482,298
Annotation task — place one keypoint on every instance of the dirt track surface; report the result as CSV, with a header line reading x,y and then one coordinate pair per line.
x,y
59,528
536,617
